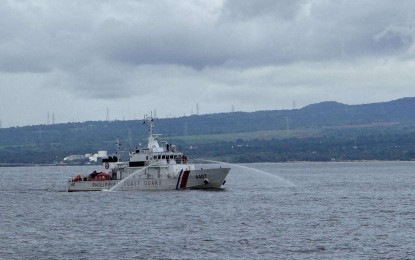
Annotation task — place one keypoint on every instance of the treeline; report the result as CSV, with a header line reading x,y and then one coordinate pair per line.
x,y
324,148
378,145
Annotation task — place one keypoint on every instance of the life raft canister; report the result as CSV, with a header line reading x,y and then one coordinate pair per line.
x,y
107,165
77,178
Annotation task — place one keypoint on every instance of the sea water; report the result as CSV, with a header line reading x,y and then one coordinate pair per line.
x,y
334,210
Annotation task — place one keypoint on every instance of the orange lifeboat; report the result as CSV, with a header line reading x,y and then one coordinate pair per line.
x,y
102,176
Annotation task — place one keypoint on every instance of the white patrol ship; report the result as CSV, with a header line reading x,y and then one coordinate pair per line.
x,y
151,168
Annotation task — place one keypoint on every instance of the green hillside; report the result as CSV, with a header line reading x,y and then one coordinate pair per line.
x,y
316,132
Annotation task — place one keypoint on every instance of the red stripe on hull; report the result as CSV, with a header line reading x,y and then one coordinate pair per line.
x,y
184,179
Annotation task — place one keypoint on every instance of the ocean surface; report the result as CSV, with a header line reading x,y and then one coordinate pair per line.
x,y
336,210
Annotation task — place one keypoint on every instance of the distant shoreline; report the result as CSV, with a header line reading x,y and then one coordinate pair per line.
x,y
29,164
52,164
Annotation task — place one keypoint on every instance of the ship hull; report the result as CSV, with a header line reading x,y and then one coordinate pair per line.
x,y
191,179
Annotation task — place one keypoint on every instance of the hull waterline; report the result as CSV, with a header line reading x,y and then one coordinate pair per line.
x,y
195,179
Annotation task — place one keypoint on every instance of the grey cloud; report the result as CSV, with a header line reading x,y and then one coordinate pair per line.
x,y
39,36
291,31
95,79
173,42
45,35
392,40
283,9
103,49
21,49
348,29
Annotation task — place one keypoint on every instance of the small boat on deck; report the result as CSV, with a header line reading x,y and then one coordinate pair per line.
x,y
153,167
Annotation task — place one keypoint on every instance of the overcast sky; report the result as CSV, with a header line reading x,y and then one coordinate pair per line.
x,y
74,59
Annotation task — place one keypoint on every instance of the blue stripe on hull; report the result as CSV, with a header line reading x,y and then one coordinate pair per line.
x,y
178,180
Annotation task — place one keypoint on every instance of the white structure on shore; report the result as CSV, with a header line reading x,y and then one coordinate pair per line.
x,y
90,157
74,157
100,155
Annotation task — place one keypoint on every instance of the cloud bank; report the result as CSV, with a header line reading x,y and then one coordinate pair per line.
x,y
142,55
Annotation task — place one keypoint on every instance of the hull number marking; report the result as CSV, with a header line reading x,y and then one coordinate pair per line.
x,y
201,176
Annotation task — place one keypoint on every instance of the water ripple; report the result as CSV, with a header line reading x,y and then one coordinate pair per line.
x,y
335,211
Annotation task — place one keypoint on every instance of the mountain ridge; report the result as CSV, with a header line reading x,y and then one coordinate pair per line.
x,y
329,118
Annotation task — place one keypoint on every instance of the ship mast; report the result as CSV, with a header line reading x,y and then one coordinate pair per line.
x,y
149,120
152,138
118,148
